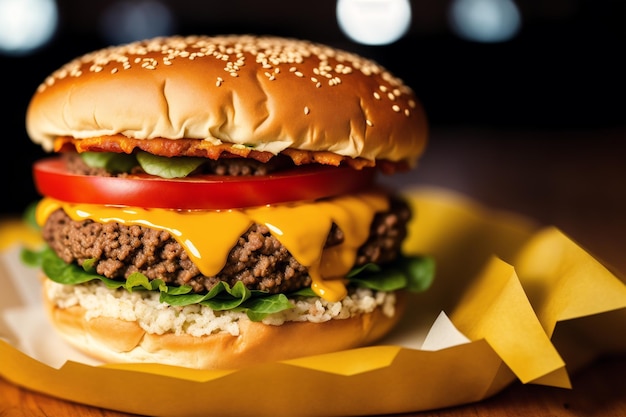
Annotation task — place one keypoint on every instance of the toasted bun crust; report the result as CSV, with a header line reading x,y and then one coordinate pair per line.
x,y
268,93
114,340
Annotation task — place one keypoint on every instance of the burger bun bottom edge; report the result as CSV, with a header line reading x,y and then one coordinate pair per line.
x,y
114,340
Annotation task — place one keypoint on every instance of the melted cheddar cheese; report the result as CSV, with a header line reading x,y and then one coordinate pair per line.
x,y
208,236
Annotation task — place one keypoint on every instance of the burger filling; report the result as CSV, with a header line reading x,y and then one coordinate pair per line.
x,y
94,163
243,264
148,311
258,259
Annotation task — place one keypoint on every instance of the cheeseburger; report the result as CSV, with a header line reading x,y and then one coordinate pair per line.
x,y
212,201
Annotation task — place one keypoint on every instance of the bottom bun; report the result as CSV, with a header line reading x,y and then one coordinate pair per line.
x,y
114,340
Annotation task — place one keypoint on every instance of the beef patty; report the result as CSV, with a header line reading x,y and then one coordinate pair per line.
x,y
258,259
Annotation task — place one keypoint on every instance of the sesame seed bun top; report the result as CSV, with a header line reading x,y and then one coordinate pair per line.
x,y
267,93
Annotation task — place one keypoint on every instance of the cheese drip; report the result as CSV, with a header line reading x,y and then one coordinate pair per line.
x,y
208,236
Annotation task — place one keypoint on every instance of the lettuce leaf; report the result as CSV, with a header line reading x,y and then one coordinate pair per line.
x,y
415,274
111,161
411,273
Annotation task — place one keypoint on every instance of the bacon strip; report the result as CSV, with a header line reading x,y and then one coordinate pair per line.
x,y
206,149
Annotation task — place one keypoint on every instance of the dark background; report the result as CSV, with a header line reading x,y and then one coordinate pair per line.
x,y
563,70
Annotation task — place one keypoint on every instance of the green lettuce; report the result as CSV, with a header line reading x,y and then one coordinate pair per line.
x,y
410,273
110,161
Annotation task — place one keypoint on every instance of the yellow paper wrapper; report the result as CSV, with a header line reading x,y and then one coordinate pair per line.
x,y
511,301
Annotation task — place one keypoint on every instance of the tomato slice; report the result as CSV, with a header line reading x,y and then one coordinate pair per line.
x,y
217,192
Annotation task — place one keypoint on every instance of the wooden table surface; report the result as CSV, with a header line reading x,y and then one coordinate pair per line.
x,y
575,180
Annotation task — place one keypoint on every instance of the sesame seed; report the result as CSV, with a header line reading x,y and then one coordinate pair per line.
x,y
407,113
369,123
306,110
265,54
395,108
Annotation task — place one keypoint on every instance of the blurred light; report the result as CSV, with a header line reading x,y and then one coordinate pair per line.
x,y
485,20
128,21
374,22
26,25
